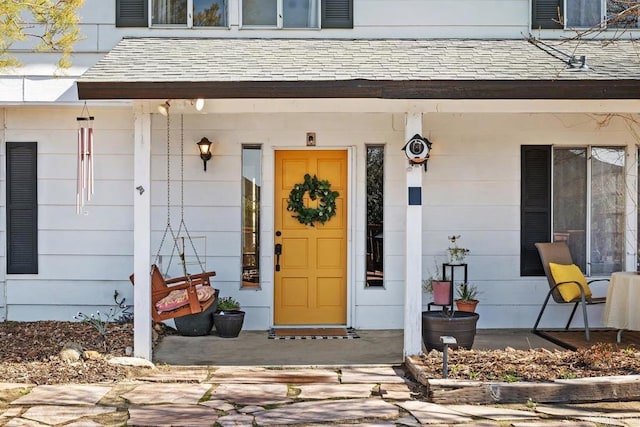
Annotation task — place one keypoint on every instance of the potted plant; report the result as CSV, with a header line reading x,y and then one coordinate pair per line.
x,y
439,289
450,322
467,297
228,318
228,304
456,254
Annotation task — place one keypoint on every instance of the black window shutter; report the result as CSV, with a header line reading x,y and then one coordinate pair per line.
x,y
545,14
535,206
132,13
22,208
337,13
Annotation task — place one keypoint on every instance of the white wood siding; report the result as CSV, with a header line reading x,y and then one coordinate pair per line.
x,y
372,19
471,188
83,259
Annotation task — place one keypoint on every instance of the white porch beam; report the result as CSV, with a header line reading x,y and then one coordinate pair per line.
x,y
413,250
370,105
142,340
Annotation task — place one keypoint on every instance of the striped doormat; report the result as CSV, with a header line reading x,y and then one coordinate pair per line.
x,y
312,333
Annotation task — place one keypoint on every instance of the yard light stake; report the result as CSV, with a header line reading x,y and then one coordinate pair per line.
x,y
84,183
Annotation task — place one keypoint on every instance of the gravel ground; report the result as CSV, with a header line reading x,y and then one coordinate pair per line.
x,y
29,354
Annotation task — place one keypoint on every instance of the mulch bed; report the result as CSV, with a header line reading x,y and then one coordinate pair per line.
x,y
29,354
534,365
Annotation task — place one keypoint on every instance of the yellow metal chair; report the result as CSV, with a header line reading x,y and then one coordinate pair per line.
x,y
558,253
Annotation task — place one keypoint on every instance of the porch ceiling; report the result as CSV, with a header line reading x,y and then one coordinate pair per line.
x,y
228,68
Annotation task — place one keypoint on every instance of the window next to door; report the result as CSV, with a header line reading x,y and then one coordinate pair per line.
x,y
576,195
375,216
251,187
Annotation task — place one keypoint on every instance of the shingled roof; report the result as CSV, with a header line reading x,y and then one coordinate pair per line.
x,y
147,68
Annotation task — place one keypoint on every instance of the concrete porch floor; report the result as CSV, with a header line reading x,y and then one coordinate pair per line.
x,y
378,347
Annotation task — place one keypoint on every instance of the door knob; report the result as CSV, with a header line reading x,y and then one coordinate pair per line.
x,y
277,252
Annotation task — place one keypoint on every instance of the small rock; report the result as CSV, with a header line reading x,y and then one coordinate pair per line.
x,y
69,355
132,361
91,355
509,349
434,354
128,351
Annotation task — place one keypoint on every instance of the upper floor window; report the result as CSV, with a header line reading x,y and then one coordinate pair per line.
x,y
255,13
281,13
189,13
582,14
623,14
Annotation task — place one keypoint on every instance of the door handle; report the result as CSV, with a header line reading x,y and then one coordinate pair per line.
x,y
277,252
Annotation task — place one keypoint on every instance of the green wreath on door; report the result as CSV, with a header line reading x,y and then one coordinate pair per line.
x,y
317,189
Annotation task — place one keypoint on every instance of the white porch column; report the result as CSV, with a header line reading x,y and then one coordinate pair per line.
x,y
413,249
142,339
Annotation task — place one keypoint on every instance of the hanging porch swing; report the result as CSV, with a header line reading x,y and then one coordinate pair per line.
x,y
190,294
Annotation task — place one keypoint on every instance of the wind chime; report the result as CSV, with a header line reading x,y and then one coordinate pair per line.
x,y
84,187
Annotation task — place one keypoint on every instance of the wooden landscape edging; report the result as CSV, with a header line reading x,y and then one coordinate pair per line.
x,y
450,391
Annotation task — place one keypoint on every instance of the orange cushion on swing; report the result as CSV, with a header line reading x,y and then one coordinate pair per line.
x,y
180,298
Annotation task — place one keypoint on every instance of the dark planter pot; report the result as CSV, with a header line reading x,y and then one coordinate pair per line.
x,y
461,325
198,324
228,323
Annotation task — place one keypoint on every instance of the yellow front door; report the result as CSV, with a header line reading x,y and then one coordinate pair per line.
x,y
311,273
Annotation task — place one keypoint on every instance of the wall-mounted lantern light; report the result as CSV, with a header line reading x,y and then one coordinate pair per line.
x,y
205,150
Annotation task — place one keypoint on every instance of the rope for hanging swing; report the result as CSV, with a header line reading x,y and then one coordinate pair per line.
x,y
178,239
183,226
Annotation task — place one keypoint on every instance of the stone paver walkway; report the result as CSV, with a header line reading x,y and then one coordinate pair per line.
x,y
227,396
